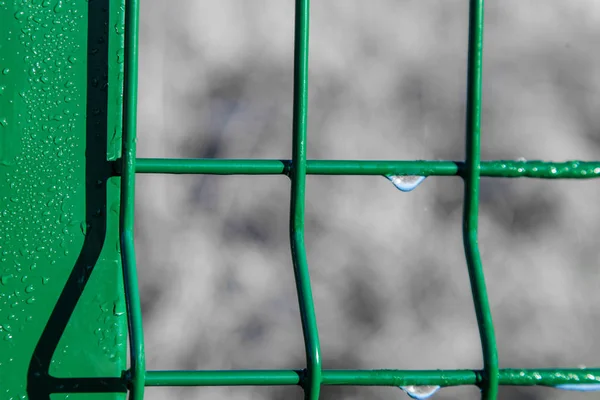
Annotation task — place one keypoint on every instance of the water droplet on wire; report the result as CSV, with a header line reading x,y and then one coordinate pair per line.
x,y
420,392
406,183
583,387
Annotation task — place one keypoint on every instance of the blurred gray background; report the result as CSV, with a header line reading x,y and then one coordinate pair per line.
x,y
387,81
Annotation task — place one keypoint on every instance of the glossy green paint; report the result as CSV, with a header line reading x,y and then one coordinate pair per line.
x,y
62,308
471,178
312,383
497,169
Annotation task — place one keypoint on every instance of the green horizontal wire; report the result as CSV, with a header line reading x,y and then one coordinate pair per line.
x,y
496,168
514,377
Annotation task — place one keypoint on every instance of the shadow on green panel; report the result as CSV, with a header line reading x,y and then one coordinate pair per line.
x,y
40,383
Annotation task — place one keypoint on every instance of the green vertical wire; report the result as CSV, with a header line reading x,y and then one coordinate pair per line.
x,y
312,381
471,202
132,293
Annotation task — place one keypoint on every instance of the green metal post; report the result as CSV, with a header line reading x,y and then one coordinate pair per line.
x,y
312,383
471,203
134,311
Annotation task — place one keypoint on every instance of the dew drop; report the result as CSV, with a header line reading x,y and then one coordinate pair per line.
x,y
582,387
420,392
5,71
406,183
5,278
119,29
114,208
58,7
119,308
120,56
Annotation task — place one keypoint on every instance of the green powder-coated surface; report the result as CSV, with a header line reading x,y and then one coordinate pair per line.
x,y
62,307
68,99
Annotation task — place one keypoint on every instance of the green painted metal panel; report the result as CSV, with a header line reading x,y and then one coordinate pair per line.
x,y
62,309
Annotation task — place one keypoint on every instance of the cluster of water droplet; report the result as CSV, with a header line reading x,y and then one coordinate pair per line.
x,y
37,222
37,215
112,336
117,63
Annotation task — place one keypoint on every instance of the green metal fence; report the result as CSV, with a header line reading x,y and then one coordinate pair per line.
x,y
470,170
136,378
313,376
